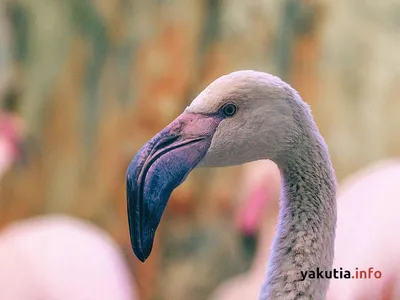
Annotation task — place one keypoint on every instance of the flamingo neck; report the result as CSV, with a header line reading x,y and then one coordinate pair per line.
x,y
306,228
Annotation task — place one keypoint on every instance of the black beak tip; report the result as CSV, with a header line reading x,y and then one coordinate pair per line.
x,y
143,250
140,255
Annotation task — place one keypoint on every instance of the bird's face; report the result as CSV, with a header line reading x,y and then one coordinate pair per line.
x,y
256,117
240,117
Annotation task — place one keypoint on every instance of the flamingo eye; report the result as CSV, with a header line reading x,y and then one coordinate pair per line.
x,y
229,110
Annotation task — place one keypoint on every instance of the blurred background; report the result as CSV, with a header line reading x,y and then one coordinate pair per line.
x,y
83,84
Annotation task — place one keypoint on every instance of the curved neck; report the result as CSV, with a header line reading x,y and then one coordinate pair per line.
x,y
307,218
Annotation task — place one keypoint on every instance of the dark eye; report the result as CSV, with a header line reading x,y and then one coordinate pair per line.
x,y
229,110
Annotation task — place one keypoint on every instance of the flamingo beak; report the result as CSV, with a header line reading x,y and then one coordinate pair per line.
x,y
160,166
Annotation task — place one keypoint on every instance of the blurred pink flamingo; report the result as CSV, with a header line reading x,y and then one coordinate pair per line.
x,y
60,257
368,234
259,191
10,139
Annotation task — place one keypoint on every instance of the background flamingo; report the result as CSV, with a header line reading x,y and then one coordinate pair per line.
x,y
60,257
368,232
257,215
10,140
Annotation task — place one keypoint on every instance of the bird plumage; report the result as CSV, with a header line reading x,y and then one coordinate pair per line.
x,y
271,122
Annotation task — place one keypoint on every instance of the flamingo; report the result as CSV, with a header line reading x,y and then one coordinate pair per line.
x,y
369,194
259,191
61,257
10,139
241,117
368,236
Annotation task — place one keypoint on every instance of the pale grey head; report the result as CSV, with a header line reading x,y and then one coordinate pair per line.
x,y
264,125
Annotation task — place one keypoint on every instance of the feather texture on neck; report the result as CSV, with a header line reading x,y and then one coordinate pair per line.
x,y
307,219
